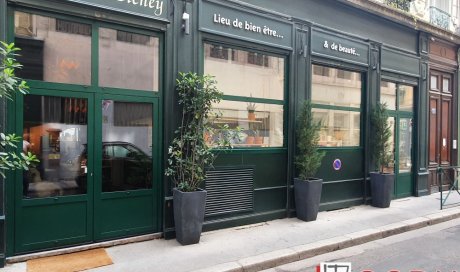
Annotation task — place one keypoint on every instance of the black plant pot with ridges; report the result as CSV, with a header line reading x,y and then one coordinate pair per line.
x,y
382,186
307,197
189,210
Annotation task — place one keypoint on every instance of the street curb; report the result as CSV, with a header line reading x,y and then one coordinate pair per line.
x,y
300,252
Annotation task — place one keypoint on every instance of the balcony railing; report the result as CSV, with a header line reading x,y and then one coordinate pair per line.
x,y
399,4
439,17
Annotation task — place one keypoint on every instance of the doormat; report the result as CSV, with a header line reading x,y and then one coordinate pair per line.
x,y
70,262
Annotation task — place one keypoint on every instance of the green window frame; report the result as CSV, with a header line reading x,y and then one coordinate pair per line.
x,y
262,118
93,86
337,99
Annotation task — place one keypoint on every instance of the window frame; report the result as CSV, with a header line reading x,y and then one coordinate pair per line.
x,y
259,49
94,87
349,68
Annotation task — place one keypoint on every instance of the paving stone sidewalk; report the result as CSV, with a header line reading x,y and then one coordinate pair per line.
x,y
265,245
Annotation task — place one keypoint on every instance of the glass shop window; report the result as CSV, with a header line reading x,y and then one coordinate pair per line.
x,y
128,60
55,130
397,96
53,50
259,80
336,98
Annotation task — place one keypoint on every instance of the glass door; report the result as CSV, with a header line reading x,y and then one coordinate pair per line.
x,y
124,153
399,100
54,200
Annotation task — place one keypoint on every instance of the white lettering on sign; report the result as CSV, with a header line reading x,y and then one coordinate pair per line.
x,y
246,26
340,48
156,5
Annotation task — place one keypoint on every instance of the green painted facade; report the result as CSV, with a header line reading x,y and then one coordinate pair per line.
x,y
297,32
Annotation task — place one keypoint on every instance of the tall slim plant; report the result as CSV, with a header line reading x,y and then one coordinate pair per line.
x,y
189,154
10,84
381,151
308,158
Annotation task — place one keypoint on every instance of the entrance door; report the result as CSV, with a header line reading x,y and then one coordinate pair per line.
x,y
124,149
440,112
54,201
399,99
95,179
92,119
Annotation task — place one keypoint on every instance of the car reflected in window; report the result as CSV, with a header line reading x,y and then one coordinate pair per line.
x,y
124,167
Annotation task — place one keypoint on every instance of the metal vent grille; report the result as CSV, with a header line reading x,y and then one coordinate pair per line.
x,y
229,191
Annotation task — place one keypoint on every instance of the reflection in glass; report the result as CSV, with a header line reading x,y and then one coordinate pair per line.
x,y
433,82
128,60
338,128
53,50
388,94
405,93
261,128
405,145
406,97
446,85
252,74
336,87
55,129
126,146
390,168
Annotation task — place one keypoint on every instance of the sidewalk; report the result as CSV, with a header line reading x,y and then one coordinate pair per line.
x,y
261,246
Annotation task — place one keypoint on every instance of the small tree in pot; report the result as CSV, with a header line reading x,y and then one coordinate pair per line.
x,y
190,154
307,189
382,184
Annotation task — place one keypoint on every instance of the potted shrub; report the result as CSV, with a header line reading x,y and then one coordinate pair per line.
x,y
382,183
251,111
190,155
307,190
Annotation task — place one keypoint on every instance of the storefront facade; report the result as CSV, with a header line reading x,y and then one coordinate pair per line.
x,y
102,109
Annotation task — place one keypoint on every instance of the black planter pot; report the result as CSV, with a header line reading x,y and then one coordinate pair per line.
x,y
188,215
307,197
382,186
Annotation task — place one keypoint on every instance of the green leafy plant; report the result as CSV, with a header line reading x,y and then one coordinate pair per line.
x,y
190,154
381,150
10,84
308,158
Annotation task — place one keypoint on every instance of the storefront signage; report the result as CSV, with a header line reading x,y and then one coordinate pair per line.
x,y
246,26
234,22
339,47
146,8
343,48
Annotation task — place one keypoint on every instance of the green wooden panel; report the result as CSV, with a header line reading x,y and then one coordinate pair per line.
x,y
403,185
229,159
352,164
342,191
50,226
270,167
268,170
125,216
270,199
399,62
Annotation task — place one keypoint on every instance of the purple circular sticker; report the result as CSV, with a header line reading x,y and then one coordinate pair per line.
x,y
337,164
